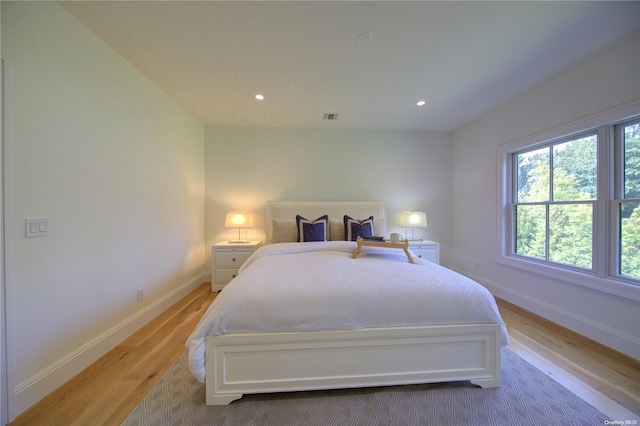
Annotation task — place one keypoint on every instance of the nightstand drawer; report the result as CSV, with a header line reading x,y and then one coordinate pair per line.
x,y
427,250
231,258
223,276
426,253
226,259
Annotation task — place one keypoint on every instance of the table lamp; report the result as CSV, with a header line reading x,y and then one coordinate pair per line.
x,y
240,220
413,220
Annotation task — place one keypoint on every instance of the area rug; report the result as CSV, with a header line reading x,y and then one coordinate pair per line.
x,y
527,397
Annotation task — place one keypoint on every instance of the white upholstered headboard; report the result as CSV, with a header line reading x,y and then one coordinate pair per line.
x,y
314,209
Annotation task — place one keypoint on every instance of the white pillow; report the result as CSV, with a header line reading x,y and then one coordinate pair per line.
x,y
284,231
336,230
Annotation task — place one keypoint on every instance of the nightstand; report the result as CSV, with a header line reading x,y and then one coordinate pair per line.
x,y
427,250
226,259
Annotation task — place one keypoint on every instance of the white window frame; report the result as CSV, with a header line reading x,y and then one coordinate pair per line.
x,y
601,278
618,195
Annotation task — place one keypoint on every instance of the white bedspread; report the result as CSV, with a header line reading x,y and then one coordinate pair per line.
x,y
318,286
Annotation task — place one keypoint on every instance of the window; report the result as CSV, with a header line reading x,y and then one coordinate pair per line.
x,y
629,210
556,191
570,205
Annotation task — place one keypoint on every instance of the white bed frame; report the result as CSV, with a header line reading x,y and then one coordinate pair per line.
x,y
247,363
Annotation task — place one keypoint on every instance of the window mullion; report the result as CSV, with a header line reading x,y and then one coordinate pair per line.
x,y
547,207
551,198
547,231
602,241
512,175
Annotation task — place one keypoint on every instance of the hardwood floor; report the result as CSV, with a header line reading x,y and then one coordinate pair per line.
x,y
108,390
608,380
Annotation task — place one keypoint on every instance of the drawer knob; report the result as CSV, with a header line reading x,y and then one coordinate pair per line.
x,y
233,259
233,276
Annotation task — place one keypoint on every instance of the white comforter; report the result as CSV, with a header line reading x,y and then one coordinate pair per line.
x,y
318,286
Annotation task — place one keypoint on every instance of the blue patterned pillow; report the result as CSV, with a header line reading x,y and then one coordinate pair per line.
x,y
357,228
312,230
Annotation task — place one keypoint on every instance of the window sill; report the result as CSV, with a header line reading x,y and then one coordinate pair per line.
x,y
605,285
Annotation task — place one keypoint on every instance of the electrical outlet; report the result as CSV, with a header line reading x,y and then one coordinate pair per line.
x,y
140,295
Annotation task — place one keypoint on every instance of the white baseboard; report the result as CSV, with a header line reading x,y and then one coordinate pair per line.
x,y
35,388
602,333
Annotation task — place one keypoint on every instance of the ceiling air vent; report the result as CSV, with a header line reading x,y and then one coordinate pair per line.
x,y
331,116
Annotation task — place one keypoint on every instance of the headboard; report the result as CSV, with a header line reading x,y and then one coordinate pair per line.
x,y
314,209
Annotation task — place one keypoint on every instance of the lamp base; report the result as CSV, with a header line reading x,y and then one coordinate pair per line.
x,y
239,241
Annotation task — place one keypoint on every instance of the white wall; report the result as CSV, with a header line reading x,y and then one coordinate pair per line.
x,y
117,167
246,167
606,80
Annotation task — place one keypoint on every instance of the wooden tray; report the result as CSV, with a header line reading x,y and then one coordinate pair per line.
x,y
404,245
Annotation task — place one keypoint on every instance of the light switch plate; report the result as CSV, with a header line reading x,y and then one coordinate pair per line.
x,y
36,227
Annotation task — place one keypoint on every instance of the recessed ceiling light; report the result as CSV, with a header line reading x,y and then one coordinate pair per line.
x,y
421,102
259,97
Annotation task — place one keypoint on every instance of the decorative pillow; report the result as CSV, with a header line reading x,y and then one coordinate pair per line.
x,y
284,231
357,228
336,230
312,230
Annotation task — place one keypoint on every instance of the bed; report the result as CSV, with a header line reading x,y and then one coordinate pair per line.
x,y
308,316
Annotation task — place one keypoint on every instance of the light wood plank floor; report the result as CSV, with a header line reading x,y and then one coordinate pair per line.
x,y
108,390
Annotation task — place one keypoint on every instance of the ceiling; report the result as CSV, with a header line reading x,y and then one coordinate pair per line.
x,y
463,58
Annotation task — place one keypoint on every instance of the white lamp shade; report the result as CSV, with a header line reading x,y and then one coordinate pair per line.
x,y
238,220
413,219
